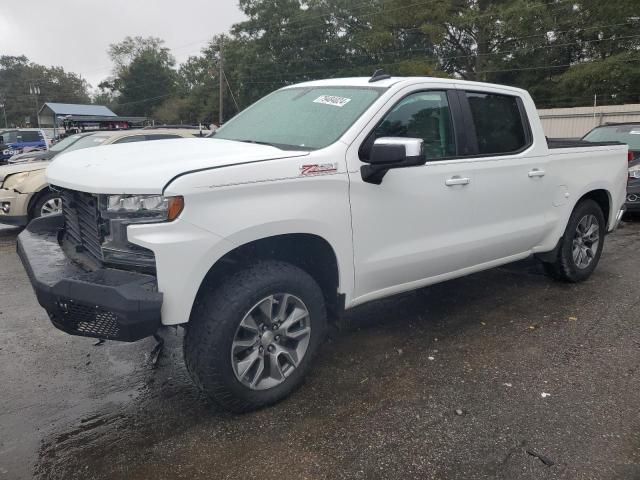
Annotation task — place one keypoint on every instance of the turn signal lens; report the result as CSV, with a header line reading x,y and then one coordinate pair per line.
x,y
176,204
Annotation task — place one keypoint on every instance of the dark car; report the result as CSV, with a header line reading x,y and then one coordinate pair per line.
x,y
16,141
628,133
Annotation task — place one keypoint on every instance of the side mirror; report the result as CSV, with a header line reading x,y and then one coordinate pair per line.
x,y
392,152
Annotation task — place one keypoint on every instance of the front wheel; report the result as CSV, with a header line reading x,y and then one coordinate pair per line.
x,y
49,203
581,244
250,341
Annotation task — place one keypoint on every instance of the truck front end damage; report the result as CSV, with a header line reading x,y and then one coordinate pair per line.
x,y
90,281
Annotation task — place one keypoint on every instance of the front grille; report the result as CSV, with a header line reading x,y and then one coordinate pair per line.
x,y
82,222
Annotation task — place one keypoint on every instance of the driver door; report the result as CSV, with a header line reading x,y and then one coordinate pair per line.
x,y
417,223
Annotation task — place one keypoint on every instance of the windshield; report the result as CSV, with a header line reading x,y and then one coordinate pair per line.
x,y
307,118
62,144
86,142
629,134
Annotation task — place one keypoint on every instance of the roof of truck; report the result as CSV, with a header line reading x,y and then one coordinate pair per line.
x,y
399,82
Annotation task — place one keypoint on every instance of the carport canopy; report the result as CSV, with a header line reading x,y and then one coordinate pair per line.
x,y
52,113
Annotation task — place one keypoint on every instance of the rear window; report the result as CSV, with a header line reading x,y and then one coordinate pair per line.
x,y
629,134
9,137
29,136
499,127
162,136
131,139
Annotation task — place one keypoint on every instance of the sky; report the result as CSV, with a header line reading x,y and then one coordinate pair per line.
x,y
75,34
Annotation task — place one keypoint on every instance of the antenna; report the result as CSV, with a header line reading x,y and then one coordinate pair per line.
x,y
379,74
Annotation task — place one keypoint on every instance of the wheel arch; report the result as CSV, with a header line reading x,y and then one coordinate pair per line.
x,y
35,196
602,197
309,252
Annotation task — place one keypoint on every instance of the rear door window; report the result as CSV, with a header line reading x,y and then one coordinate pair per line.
x,y
499,124
29,136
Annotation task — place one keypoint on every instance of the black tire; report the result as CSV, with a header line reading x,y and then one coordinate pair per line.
x,y
564,267
214,321
43,198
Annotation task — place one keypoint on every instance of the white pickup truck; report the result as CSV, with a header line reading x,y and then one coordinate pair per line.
x,y
317,198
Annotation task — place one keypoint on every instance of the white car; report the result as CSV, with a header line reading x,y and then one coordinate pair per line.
x,y
319,197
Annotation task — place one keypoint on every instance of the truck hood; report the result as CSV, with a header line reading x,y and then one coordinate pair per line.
x,y
147,167
7,170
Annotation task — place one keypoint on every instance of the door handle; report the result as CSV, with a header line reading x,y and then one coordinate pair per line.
x,y
457,180
536,173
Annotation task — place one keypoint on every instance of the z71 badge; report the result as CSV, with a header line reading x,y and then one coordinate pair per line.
x,y
318,169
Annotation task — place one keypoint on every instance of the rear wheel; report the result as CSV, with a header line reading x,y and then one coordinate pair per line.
x,y
581,244
250,341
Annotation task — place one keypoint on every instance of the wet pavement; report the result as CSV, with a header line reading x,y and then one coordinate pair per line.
x,y
504,374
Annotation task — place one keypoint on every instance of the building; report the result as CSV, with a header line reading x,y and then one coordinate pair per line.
x,y
78,117
577,121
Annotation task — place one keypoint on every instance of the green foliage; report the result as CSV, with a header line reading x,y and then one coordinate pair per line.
x,y
143,77
56,85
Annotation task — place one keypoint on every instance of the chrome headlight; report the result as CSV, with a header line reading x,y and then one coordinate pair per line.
x,y
634,172
120,211
144,207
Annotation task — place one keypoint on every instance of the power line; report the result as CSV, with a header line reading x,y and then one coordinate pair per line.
x,y
231,91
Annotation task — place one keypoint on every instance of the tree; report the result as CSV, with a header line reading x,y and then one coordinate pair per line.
x,y
143,75
56,85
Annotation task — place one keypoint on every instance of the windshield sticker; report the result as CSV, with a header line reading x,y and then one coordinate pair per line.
x,y
332,100
318,169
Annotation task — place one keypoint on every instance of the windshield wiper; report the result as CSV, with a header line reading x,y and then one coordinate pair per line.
x,y
280,146
260,143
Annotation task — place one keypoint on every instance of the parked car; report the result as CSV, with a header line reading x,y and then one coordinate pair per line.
x,y
63,145
24,191
16,141
317,198
628,133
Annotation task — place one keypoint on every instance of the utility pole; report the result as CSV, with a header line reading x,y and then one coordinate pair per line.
x,y
4,110
35,91
221,75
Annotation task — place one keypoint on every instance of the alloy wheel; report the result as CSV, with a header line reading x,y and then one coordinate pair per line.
x,y
271,341
586,240
51,207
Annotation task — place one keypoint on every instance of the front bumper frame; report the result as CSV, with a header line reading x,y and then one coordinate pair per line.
x,y
104,303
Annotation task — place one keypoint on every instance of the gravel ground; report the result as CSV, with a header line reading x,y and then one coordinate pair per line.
x,y
504,374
